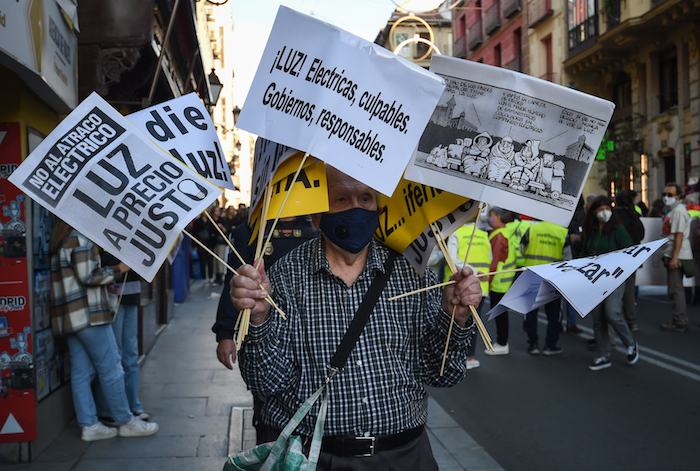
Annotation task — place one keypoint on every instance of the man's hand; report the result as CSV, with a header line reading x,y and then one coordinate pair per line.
x,y
246,292
466,292
226,353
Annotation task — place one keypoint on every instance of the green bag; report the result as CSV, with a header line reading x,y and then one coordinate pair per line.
x,y
286,454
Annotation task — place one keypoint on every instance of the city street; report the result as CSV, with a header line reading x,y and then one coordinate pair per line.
x,y
553,413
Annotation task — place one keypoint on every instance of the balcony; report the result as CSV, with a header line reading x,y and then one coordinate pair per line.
x,y
583,35
510,7
538,11
476,37
612,13
492,18
460,48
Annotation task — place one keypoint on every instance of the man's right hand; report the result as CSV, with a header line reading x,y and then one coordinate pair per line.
x,y
226,353
246,292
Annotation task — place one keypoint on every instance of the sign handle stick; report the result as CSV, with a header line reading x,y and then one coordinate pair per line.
x,y
268,298
286,197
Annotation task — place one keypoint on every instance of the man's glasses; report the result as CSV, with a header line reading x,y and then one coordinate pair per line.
x,y
672,195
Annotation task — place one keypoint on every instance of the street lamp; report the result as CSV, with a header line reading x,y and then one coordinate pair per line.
x,y
215,87
236,113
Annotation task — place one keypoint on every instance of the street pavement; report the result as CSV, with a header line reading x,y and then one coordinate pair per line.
x,y
204,411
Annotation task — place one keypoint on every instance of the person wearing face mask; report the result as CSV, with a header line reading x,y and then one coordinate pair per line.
x,y
677,256
602,233
377,404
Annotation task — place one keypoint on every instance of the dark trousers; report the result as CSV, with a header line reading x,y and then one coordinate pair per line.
x,y
552,309
502,324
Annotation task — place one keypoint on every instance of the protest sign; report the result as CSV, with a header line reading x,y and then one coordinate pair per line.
x,y
406,217
104,177
512,140
325,91
183,127
584,282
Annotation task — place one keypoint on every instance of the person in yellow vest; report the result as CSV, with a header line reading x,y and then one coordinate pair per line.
x,y
544,243
480,261
517,229
503,257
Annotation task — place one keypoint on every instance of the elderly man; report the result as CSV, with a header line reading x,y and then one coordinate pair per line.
x,y
677,256
320,286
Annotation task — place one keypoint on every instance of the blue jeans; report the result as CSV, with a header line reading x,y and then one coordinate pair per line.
x,y
552,310
93,351
125,329
571,314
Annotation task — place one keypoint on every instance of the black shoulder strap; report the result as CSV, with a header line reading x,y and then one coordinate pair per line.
x,y
357,325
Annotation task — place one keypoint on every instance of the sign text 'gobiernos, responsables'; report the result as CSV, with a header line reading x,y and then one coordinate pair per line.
x,y
322,90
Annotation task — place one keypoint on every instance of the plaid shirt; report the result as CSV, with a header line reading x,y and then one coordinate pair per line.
x,y
381,390
79,286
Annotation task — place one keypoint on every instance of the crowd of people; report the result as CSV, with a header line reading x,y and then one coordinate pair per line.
x,y
503,240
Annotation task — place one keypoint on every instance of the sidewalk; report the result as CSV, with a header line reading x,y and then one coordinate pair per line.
x,y
204,410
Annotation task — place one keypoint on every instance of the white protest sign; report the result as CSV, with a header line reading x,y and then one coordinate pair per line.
x,y
346,101
183,127
512,140
420,249
584,282
104,177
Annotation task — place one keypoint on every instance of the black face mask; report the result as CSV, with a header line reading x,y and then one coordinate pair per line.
x,y
350,230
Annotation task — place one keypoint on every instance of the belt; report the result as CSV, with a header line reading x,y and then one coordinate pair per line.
x,y
368,446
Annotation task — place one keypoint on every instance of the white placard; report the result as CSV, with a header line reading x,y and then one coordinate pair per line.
x,y
344,100
183,127
509,139
584,282
267,157
104,177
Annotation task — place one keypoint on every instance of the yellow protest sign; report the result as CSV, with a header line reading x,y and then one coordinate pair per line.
x,y
410,210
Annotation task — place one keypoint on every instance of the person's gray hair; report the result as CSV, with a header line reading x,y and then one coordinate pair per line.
x,y
692,198
504,214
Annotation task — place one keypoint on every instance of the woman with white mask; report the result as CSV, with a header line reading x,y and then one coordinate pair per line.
x,y
602,233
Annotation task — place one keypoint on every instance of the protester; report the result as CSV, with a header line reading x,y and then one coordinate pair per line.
x,y
602,233
692,202
677,256
377,404
80,311
503,258
629,218
230,220
657,209
479,259
205,232
545,242
219,244
289,233
125,297
574,236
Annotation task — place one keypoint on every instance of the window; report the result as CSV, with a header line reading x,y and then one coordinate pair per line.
x,y
422,48
668,79
497,55
583,24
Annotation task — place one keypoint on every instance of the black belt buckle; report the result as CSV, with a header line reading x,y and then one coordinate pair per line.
x,y
361,447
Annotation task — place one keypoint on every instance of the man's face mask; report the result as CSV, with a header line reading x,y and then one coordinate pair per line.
x,y
352,229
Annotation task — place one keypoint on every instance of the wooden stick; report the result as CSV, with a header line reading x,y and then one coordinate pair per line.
x,y
286,197
449,333
268,298
263,224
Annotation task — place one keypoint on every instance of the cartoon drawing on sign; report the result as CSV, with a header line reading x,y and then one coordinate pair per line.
x,y
508,140
21,344
15,212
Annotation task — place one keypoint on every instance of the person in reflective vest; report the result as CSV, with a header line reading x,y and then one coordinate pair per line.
x,y
518,228
545,242
479,259
503,258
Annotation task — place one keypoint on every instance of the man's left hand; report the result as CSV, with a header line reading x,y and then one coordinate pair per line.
x,y
459,296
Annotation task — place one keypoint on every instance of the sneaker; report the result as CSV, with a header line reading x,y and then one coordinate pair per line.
x,y
573,329
472,363
549,351
533,350
498,349
599,364
108,421
98,431
142,415
634,327
671,327
632,354
138,428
